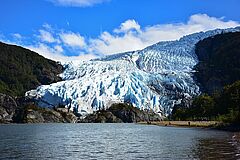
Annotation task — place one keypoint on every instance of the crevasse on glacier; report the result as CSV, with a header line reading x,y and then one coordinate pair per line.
x,y
156,78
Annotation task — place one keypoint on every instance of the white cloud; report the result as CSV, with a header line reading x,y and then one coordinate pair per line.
x,y
47,26
56,44
46,51
46,36
129,25
17,36
196,23
73,39
108,43
207,22
55,53
77,3
82,57
58,48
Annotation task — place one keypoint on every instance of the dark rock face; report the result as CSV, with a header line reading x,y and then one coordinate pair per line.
x,y
7,108
118,113
69,117
219,61
22,111
35,114
129,114
101,117
30,113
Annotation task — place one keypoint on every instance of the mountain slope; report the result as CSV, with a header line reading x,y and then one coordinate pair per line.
x,y
156,78
22,70
219,61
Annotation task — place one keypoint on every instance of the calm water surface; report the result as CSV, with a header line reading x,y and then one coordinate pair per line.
x,y
114,141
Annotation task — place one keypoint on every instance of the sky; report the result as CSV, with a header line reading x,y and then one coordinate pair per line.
x,y
65,30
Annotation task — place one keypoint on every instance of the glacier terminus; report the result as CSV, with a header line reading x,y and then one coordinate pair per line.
x,y
156,78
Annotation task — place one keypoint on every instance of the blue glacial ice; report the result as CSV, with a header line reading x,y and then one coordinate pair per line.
x,y
156,78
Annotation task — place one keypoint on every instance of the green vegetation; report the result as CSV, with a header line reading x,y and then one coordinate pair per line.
x,y
22,70
224,106
202,108
228,103
218,74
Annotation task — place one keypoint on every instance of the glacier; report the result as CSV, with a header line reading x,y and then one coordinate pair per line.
x,y
156,78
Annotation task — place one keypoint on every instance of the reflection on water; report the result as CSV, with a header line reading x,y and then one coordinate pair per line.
x,y
219,147
115,141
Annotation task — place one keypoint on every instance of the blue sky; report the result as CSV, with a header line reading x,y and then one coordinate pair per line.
x,y
84,29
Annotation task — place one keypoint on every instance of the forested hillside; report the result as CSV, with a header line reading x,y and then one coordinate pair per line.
x,y
22,70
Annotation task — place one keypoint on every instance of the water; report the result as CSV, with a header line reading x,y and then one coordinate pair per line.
x,y
114,141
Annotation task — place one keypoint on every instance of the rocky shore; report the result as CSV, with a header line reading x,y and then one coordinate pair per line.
x,y
21,110
121,113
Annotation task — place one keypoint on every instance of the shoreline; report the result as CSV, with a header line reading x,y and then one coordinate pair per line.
x,y
187,124
217,125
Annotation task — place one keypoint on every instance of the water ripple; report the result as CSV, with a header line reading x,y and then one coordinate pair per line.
x,y
115,141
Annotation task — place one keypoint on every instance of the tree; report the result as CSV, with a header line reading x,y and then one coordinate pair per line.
x,y
229,101
203,107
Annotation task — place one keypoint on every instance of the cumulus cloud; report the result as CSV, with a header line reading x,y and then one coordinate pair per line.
x,y
77,3
47,26
55,53
73,39
129,25
55,44
46,51
60,45
46,36
108,43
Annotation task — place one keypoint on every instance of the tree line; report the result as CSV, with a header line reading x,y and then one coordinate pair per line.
x,y
222,105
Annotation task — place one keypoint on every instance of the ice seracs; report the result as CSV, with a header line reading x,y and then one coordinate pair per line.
x,y
156,78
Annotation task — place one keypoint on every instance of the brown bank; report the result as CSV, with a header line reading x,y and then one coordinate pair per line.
x,y
184,123
201,124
